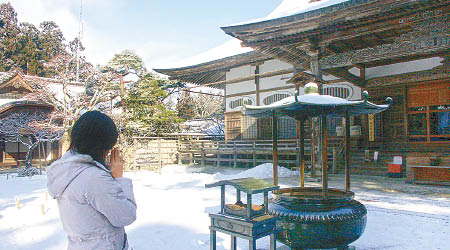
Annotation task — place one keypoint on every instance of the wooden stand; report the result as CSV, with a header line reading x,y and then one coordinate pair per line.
x,y
246,221
250,230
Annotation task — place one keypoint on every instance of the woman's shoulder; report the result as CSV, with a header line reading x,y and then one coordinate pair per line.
x,y
94,172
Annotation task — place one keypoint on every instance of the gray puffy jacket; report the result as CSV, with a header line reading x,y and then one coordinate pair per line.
x,y
94,207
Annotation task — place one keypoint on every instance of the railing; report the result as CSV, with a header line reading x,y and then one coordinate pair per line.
x,y
234,153
156,152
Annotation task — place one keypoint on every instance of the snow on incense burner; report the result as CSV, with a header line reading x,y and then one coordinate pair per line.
x,y
247,221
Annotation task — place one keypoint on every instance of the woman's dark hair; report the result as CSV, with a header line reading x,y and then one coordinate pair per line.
x,y
92,134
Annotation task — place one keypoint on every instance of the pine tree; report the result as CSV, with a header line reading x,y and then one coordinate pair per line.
x,y
29,55
185,106
147,113
9,31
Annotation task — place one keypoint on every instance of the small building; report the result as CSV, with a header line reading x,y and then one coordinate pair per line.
x,y
19,109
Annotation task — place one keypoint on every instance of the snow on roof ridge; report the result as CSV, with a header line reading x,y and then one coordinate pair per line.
x,y
54,80
292,7
233,46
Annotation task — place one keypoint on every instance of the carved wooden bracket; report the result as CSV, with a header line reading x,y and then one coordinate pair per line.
x,y
303,78
16,82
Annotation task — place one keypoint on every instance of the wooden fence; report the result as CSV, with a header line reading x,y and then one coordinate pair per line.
x,y
194,151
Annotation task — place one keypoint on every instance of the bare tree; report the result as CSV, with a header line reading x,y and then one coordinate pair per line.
x,y
30,128
70,99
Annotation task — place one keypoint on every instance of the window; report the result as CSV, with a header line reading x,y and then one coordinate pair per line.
x,y
249,127
429,113
239,102
275,98
261,128
287,128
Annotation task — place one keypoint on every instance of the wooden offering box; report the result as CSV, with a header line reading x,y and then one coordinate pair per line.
x,y
242,220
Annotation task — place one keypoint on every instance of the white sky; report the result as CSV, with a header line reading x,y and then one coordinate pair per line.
x,y
165,33
162,32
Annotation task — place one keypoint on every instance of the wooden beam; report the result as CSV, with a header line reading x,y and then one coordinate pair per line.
x,y
247,78
371,18
345,75
429,44
258,101
202,93
261,91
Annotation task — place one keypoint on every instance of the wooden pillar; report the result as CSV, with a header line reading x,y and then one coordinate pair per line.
x,y
212,239
191,155
324,158
203,154
405,114
302,153
347,151
159,151
234,154
266,202
258,98
233,243
273,242
313,148
252,244
179,150
18,154
40,163
334,166
45,152
218,158
254,153
249,206
222,199
314,63
275,147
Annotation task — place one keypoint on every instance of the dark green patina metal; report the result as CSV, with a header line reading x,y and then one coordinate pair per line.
x,y
306,221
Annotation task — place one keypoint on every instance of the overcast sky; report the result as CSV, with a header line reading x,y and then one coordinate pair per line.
x,y
160,31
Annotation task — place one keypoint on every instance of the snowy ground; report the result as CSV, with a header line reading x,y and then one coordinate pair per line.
x,y
173,211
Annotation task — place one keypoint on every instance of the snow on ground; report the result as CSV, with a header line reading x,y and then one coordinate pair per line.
x,y
173,213
264,171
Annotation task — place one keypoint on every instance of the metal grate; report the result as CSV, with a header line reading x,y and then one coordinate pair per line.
x,y
261,128
337,92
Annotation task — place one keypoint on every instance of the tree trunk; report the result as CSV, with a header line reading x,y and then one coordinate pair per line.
x,y
65,142
29,157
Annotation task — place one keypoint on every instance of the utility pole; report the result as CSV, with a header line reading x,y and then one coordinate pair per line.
x,y
80,28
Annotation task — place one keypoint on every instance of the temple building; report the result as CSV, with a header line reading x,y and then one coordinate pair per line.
x,y
397,49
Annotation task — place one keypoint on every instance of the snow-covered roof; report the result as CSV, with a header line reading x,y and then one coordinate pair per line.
x,y
233,46
208,67
205,126
293,7
310,105
229,48
6,107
